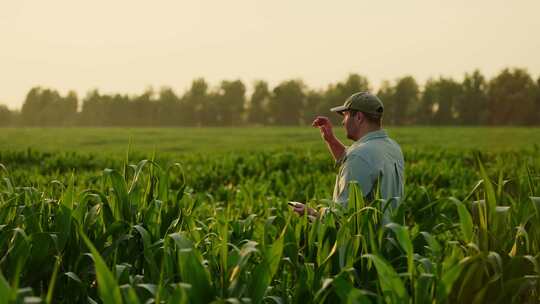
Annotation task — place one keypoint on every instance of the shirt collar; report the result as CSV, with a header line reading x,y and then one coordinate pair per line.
x,y
372,135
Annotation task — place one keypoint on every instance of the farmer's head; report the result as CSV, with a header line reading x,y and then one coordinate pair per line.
x,y
362,113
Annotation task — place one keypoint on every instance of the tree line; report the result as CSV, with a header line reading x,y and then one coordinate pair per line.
x,y
510,98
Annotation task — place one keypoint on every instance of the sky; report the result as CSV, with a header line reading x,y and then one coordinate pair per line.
x,y
127,46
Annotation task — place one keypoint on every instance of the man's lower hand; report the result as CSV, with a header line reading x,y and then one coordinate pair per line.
x,y
301,209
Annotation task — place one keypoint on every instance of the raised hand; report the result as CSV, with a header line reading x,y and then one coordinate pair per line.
x,y
321,121
325,126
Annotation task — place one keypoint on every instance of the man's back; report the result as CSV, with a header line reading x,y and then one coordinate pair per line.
x,y
373,158
374,161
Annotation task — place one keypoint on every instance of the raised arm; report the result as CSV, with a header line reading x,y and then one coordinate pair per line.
x,y
336,148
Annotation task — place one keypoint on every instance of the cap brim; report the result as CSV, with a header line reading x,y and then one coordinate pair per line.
x,y
338,109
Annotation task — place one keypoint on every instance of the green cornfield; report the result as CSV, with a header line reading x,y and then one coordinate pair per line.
x,y
216,228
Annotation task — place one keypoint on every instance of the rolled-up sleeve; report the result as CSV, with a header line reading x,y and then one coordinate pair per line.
x,y
354,168
340,160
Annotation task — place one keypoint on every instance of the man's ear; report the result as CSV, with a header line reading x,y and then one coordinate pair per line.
x,y
360,117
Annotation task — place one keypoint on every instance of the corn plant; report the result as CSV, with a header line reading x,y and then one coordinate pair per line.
x,y
219,230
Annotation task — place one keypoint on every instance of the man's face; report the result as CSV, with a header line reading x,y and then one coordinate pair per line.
x,y
351,123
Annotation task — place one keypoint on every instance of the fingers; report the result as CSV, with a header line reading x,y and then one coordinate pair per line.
x,y
299,212
325,129
299,208
320,121
326,133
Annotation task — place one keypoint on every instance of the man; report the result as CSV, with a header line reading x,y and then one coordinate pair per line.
x,y
373,159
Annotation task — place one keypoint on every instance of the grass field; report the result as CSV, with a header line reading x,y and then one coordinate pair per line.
x,y
207,220
200,140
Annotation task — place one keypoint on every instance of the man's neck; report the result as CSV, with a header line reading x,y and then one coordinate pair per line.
x,y
362,132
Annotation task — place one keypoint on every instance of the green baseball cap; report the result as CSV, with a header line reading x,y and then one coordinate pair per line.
x,y
362,102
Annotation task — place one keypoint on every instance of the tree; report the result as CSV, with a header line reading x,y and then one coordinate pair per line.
x,y
230,102
68,108
286,102
472,104
337,94
437,105
195,107
534,119
119,110
386,94
144,109
45,107
6,116
257,112
405,98
427,106
168,107
448,92
511,98
313,102
34,106
92,111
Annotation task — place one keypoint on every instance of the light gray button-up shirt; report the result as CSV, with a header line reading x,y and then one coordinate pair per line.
x,y
373,156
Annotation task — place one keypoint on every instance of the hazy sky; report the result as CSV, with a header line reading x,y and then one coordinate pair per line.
x,y
126,46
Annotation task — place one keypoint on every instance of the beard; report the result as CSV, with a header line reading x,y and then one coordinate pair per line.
x,y
352,131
